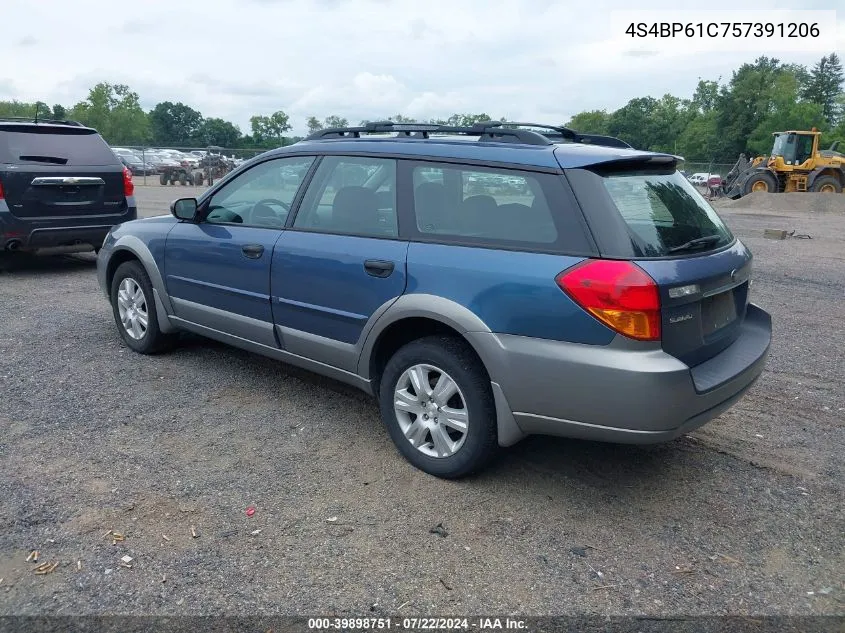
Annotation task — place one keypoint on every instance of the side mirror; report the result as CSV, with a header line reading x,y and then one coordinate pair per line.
x,y
184,208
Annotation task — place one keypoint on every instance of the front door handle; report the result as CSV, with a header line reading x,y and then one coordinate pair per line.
x,y
253,251
378,267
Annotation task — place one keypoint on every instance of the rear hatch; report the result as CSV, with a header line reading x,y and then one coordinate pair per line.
x,y
59,171
648,213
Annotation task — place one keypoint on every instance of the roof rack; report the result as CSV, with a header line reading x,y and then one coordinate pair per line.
x,y
499,131
486,132
571,135
29,119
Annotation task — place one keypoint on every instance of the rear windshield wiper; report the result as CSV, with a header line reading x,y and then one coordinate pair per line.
x,y
57,160
707,240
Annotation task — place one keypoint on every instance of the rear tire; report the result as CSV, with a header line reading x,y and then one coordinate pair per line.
x,y
183,178
762,181
826,184
134,310
440,386
162,179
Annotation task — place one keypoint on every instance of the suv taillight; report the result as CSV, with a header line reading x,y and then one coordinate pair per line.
x,y
2,194
619,294
128,185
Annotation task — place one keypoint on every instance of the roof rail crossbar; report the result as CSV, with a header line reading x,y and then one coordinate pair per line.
x,y
29,119
570,135
424,130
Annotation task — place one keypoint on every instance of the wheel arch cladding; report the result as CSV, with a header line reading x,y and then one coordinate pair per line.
x,y
117,258
130,248
139,249
413,316
402,331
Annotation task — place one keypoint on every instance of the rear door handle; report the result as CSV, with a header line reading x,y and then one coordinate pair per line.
x,y
378,267
253,251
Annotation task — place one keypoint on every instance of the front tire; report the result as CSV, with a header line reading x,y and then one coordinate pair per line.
x,y
761,182
436,401
134,309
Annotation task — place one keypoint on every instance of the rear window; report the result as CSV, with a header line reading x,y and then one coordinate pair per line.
x,y
664,214
47,146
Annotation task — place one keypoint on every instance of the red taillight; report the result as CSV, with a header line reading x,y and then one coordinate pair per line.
x,y
128,185
618,293
2,195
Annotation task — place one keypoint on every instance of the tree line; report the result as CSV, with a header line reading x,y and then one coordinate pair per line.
x,y
720,121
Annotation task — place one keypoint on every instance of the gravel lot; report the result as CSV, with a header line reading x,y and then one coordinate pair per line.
x,y
744,516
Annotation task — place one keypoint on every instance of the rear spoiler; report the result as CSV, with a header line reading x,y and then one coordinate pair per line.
x,y
656,163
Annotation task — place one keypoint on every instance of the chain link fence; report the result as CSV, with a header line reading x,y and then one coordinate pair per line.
x,y
721,169
186,166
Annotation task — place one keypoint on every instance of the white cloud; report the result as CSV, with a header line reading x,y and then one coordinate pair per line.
x,y
362,59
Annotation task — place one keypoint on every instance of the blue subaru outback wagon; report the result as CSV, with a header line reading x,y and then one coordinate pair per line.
x,y
484,283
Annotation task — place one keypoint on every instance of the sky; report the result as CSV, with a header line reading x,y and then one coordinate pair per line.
x,y
534,60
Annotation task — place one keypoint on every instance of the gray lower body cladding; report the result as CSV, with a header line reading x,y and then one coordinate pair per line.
x,y
617,392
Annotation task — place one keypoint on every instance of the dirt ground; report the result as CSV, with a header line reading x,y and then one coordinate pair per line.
x,y
743,516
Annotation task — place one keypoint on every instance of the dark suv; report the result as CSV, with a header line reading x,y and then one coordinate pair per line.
x,y
484,283
60,186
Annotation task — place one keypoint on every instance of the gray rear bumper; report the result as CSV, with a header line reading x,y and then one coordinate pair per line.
x,y
624,392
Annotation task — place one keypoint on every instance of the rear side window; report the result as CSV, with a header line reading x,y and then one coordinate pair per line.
x,y
487,206
664,214
47,146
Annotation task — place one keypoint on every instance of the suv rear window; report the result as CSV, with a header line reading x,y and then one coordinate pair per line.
x,y
50,146
664,213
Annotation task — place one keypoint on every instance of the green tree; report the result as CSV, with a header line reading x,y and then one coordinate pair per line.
x,y
465,120
836,134
745,102
314,125
267,129
332,121
335,121
824,85
59,112
17,109
699,140
706,95
218,132
44,111
115,111
590,122
636,123
174,124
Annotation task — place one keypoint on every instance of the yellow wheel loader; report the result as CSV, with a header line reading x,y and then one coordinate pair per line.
x,y
795,164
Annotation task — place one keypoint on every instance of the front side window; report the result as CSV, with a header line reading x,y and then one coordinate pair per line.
x,y
261,196
353,196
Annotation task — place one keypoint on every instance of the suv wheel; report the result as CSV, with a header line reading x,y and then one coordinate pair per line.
x,y
436,402
135,311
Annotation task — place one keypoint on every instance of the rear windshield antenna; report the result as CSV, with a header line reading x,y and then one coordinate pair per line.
x,y
36,112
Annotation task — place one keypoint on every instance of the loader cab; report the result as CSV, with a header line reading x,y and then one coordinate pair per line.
x,y
794,148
